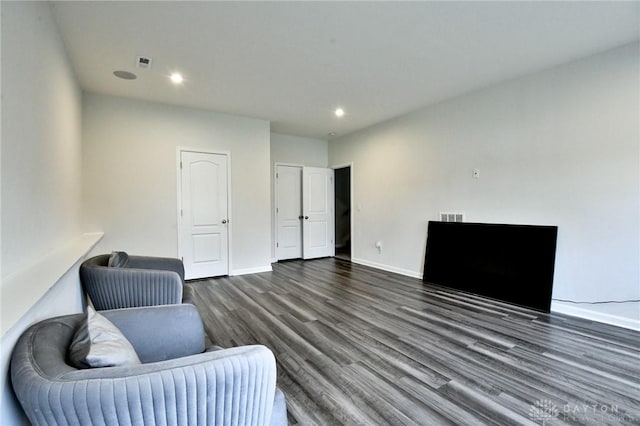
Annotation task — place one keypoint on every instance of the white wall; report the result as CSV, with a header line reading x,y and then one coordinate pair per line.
x,y
130,192
41,122
299,150
41,172
559,147
293,150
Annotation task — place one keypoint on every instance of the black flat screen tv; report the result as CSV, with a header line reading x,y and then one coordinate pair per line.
x,y
511,263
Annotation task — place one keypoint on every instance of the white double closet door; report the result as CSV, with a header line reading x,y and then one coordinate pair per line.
x,y
304,212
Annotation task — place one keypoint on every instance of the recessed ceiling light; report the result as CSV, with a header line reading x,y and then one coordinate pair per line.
x,y
176,78
339,112
126,75
332,134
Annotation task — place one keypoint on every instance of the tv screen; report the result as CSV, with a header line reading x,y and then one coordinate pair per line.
x,y
512,263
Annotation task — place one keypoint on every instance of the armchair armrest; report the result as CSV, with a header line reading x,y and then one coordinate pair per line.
x,y
162,332
162,263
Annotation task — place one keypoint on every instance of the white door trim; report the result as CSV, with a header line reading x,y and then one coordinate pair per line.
x,y
351,201
179,151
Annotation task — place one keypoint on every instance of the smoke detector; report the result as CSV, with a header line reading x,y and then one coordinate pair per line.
x,y
143,62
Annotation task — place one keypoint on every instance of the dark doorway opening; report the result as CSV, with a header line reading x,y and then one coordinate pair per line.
x,y
343,212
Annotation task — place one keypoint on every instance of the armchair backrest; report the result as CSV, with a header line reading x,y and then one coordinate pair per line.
x,y
144,281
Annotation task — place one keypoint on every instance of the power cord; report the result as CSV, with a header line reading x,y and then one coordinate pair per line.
x,y
598,303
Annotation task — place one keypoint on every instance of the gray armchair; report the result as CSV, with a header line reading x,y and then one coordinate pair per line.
x,y
177,383
133,281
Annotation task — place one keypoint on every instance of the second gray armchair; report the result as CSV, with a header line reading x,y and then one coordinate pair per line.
x,y
119,280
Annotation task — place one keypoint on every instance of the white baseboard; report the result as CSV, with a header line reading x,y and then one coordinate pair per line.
x,y
247,271
575,311
395,270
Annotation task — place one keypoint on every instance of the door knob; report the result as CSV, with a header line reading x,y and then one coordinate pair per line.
x,y
224,221
306,217
300,217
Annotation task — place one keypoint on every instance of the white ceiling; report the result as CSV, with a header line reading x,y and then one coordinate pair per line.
x,y
294,62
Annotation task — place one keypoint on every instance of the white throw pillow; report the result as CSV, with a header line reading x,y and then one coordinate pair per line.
x,y
99,343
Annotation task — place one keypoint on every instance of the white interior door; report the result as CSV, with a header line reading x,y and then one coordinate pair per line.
x,y
204,237
317,209
288,212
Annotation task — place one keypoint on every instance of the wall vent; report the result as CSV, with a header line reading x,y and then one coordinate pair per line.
x,y
452,217
143,62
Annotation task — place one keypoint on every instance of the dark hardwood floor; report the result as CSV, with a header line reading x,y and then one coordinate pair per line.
x,y
355,345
